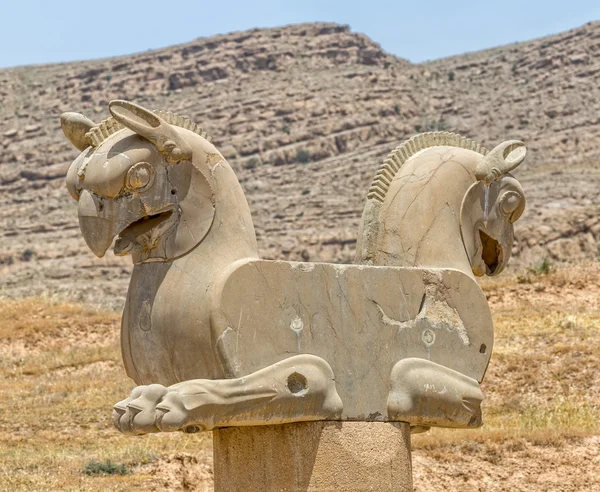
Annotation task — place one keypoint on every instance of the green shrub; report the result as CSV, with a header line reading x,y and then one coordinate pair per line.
x,y
94,468
27,255
303,156
542,268
251,163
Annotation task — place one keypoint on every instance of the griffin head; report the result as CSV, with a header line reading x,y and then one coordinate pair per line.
x,y
490,207
141,177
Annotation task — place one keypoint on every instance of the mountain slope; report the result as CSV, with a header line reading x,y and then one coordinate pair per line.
x,y
305,115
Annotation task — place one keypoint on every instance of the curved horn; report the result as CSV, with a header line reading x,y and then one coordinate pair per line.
x,y
500,160
153,128
75,126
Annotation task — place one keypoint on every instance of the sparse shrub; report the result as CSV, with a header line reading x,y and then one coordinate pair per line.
x,y
305,192
27,255
6,259
432,126
450,76
286,129
95,468
251,163
303,156
542,268
397,109
523,279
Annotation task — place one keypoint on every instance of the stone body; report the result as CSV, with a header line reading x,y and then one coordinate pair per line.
x,y
219,338
361,319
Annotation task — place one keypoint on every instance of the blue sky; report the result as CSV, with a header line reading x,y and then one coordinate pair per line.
x,y
52,31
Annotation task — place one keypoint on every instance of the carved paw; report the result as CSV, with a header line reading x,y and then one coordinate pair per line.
x,y
152,408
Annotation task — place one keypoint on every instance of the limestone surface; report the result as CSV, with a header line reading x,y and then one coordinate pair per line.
x,y
218,338
314,457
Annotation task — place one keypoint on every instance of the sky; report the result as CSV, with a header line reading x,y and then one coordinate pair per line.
x,y
51,31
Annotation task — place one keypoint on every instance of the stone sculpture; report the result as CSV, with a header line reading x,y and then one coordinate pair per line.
x,y
217,337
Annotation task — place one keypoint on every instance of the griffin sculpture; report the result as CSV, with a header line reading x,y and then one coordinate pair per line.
x,y
216,337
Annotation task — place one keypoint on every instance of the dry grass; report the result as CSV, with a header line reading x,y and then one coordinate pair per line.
x,y
543,383
61,371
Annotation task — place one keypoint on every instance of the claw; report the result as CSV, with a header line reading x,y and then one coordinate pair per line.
x,y
119,410
136,414
171,413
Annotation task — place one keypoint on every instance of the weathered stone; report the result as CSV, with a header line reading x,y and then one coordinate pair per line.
x,y
154,180
314,457
218,338
360,319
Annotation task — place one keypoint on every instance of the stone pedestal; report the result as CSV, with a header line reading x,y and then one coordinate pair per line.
x,y
313,457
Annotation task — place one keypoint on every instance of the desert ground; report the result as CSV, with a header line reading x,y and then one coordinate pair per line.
x,y
62,372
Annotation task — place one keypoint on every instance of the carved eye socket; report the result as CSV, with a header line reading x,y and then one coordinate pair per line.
x,y
140,177
511,205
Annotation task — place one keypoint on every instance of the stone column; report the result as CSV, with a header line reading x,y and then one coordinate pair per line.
x,y
313,457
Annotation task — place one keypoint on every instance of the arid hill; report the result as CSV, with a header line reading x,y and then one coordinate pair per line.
x,y
305,115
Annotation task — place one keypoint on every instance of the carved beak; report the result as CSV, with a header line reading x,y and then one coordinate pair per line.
x,y
101,219
97,231
492,254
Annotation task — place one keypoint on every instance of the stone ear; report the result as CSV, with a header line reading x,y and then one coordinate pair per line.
x,y
153,128
500,160
75,126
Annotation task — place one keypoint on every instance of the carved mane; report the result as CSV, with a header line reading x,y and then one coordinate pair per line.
x,y
396,159
99,133
387,172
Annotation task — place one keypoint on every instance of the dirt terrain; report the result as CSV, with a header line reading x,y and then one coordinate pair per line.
x,y
305,115
541,413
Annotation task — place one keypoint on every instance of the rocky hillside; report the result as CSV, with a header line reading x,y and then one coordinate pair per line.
x,y
304,114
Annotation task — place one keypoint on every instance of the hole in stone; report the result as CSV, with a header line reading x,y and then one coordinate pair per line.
x,y
100,207
483,348
192,429
296,383
173,191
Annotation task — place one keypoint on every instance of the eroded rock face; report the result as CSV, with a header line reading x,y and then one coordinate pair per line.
x,y
303,113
